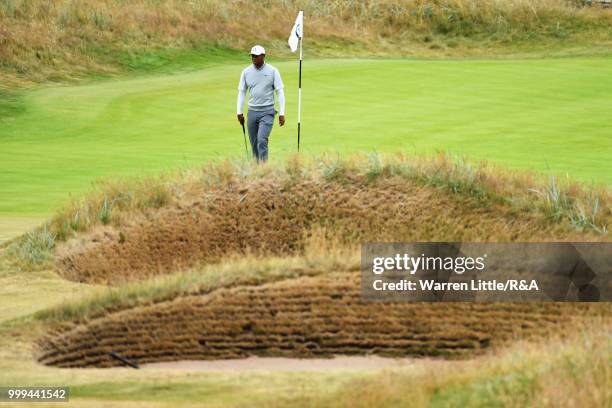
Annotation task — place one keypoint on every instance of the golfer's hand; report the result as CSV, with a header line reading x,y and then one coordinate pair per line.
x,y
281,120
241,118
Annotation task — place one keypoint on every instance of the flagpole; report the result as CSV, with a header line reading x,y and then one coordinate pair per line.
x,y
297,32
300,95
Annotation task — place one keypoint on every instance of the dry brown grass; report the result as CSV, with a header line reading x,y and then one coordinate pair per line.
x,y
140,227
61,39
311,306
270,211
563,371
302,317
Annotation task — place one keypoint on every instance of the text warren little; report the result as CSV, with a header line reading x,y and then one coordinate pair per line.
x,y
473,285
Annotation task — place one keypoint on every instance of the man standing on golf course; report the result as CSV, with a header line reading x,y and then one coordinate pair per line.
x,y
261,80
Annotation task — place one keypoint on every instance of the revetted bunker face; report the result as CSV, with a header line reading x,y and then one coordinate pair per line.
x,y
319,315
304,317
273,219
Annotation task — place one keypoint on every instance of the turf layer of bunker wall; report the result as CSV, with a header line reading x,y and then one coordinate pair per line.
x,y
303,317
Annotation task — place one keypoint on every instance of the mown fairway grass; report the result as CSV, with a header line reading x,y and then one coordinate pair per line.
x,y
550,115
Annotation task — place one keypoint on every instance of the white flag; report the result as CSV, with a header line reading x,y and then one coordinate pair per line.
x,y
296,31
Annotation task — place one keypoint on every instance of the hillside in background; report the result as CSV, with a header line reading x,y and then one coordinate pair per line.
x,y
60,40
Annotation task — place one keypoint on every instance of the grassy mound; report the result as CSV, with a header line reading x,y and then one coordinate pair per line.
x,y
134,231
61,39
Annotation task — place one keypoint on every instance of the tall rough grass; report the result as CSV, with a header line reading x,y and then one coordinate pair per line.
x,y
110,202
62,39
320,257
558,203
574,371
116,202
35,247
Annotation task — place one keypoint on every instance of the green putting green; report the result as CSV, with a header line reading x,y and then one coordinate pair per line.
x,y
550,115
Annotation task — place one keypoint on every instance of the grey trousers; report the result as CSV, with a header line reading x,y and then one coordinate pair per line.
x,y
260,125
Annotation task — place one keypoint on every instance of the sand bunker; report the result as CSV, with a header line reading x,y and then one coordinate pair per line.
x,y
287,364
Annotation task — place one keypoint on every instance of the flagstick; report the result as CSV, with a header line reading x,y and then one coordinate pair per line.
x,y
300,95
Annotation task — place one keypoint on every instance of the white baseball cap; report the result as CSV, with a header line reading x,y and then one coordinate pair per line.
x,y
258,50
